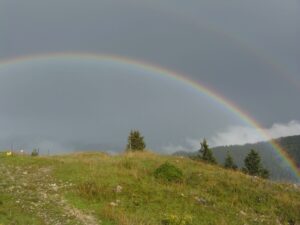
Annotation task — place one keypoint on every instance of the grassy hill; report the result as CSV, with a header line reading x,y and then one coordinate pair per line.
x,y
270,160
96,188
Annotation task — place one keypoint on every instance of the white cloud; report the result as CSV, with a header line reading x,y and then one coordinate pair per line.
x,y
242,134
238,135
190,145
174,148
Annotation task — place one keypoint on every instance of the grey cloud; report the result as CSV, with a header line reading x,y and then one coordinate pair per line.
x,y
63,103
246,50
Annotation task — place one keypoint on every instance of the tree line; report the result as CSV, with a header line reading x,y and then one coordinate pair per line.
x,y
252,162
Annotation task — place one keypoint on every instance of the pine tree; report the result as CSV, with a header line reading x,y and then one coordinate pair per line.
x,y
135,141
206,153
229,164
253,165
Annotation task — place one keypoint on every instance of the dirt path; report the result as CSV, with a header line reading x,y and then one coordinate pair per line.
x,y
39,195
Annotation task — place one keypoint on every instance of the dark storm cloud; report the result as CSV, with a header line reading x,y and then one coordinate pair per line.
x,y
248,51
63,105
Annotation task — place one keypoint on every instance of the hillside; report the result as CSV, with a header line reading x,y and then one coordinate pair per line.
x,y
269,158
96,188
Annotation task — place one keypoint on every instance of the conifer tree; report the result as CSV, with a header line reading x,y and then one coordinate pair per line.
x,y
135,141
206,153
253,165
229,164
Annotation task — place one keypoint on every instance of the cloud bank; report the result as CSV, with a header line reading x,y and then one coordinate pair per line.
x,y
242,134
239,135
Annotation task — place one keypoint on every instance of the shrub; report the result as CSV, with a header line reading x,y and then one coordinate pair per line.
x,y
35,152
168,172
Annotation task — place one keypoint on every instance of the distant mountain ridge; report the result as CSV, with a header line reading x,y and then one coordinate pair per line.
x,y
271,161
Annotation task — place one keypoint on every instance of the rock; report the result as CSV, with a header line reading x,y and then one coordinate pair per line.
x,y
11,188
54,187
119,189
201,200
44,195
243,213
114,204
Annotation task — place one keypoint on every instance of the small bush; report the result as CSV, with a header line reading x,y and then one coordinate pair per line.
x,y
291,222
168,172
35,152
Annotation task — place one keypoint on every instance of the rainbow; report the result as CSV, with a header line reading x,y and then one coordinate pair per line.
x,y
179,77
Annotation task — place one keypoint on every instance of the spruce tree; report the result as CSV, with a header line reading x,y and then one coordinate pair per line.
x,y
253,165
229,164
135,141
206,153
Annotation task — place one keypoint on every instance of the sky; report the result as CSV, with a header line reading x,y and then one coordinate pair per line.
x,y
247,51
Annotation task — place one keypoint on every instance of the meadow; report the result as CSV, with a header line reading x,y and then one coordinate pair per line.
x,y
97,188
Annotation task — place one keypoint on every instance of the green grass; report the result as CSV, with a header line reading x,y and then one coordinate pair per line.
x,y
207,194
